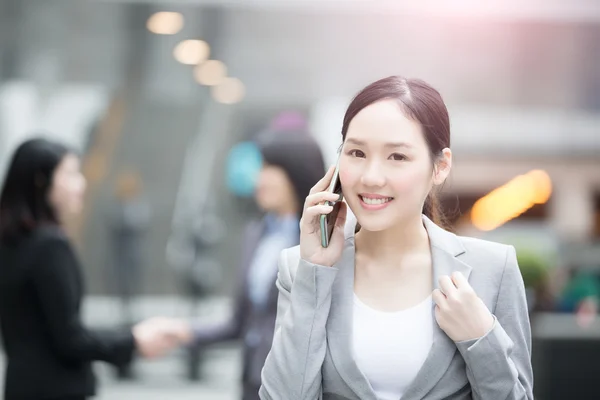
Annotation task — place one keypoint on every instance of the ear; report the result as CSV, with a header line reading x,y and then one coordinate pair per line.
x,y
442,167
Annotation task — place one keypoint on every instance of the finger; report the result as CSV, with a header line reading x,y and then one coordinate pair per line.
x,y
447,286
460,281
324,182
320,197
311,212
438,297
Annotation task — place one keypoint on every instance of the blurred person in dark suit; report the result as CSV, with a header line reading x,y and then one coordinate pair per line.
x,y
129,220
49,350
292,163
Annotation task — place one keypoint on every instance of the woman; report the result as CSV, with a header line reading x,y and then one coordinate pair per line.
x,y
402,308
49,351
293,163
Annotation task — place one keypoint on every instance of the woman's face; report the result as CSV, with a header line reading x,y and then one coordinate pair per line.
x,y
274,191
68,187
386,169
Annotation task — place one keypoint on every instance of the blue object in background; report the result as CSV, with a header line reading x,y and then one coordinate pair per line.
x,y
244,163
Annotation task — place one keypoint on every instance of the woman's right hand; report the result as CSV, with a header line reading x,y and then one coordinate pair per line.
x,y
311,249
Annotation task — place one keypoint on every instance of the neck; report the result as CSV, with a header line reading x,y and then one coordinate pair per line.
x,y
283,215
286,210
393,244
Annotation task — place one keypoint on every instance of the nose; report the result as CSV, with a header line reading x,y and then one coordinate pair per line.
x,y
373,175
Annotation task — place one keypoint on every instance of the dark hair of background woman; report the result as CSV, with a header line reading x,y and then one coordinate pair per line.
x,y
24,202
299,155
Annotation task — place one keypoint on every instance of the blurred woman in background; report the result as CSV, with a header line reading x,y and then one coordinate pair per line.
x,y
293,163
49,350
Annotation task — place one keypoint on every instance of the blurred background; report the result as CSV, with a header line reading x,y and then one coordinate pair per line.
x,y
163,99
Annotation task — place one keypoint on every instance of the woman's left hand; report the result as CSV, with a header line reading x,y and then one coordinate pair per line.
x,y
459,311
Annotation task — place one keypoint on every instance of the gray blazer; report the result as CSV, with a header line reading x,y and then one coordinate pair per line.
x,y
311,356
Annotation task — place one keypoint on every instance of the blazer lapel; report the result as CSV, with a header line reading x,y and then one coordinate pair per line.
x,y
445,247
339,326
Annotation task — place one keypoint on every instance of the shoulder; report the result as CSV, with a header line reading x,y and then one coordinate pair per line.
x,y
48,234
491,251
48,251
49,242
490,260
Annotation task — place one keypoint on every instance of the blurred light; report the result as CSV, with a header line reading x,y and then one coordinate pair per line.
x,y
165,23
288,120
244,163
543,186
230,91
511,200
191,52
210,73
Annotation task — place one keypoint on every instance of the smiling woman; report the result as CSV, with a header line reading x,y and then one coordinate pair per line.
x,y
402,308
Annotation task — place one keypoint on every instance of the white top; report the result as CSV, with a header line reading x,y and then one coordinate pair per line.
x,y
390,347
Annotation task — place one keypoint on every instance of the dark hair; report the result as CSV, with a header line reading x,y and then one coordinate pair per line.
x,y
24,201
420,102
299,155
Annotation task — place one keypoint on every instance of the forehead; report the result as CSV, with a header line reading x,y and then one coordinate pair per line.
x,y
272,169
384,122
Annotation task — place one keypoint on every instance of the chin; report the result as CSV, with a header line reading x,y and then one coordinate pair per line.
x,y
372,225
76,209
379,220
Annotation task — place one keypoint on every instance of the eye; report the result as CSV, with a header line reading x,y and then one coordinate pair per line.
x,y
356,153
398,157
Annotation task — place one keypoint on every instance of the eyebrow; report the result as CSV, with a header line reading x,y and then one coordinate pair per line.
x,y
388,145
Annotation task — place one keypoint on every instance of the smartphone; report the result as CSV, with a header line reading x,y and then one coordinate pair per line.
x,y
327,221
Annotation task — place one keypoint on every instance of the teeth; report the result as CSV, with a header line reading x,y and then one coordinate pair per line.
x,y
375,201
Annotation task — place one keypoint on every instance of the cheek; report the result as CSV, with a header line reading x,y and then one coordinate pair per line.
x,y
412,179
282,188
263,182
349,177
59,196
80,188
269,188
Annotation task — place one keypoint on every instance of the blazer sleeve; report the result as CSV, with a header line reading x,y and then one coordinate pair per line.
x,y
292,369
499,363
55,275
232,327
229,329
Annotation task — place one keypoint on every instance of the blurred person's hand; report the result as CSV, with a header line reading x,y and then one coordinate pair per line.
x,y
182,331
311,249
586,312
156,336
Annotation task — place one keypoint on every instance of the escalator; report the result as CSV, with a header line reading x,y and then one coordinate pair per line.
x,y
152,140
